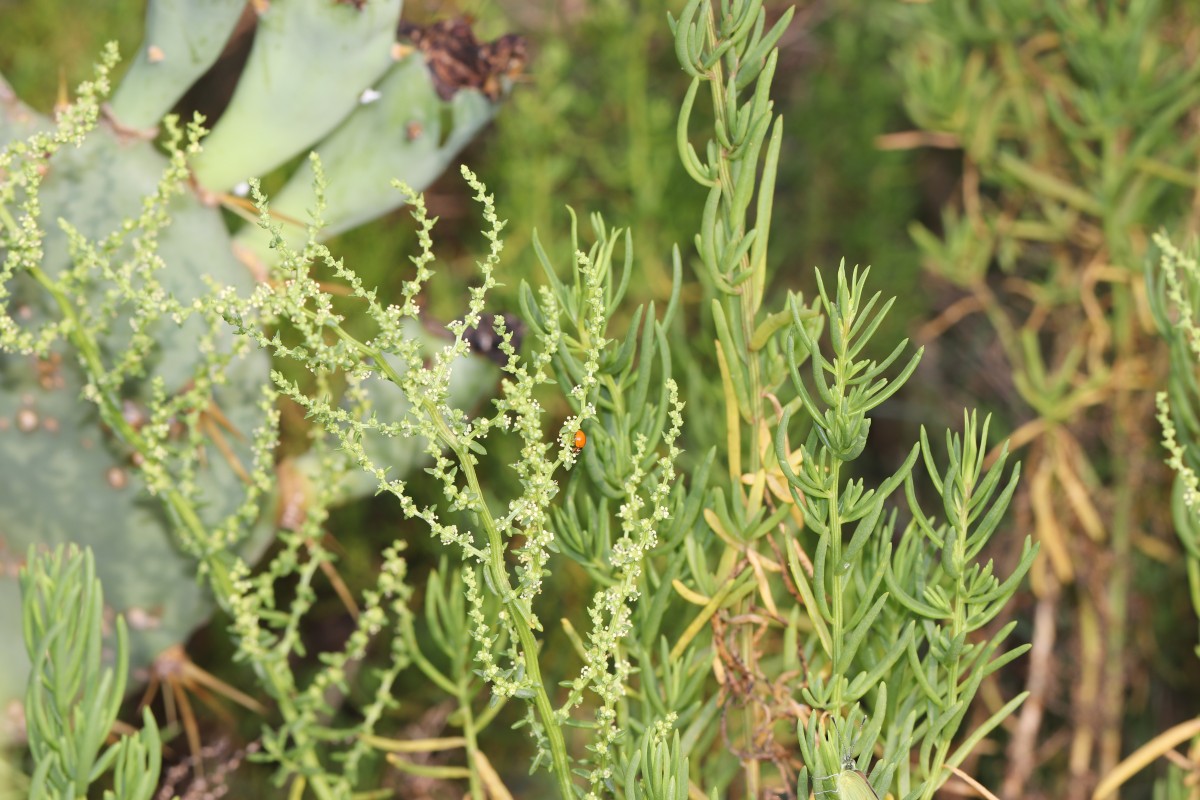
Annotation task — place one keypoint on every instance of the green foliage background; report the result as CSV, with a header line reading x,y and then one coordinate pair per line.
x,y
593,126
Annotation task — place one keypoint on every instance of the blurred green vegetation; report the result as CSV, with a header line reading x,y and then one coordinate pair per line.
x,y
592,126
1075,126
50,45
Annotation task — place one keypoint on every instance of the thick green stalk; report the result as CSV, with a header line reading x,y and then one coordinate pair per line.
x,y
736,228
837,608
511,601
529,646
469,733
744,305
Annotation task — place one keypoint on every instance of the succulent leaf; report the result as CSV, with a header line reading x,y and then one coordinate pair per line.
x,y
183,39
310,62
408,134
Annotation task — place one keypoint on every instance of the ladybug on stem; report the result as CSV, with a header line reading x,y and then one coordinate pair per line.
x,y
580,440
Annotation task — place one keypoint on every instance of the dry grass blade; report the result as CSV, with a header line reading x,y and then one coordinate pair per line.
x,y
1145,755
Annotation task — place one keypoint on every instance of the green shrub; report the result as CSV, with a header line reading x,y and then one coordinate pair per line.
x,y
756,617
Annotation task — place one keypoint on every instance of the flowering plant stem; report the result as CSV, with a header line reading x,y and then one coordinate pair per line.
x,y
495,566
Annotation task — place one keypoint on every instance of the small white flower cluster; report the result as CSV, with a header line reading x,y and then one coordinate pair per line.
x,y
606,669
1181,284
23,165
499,594
1176,453
1181,271
110,307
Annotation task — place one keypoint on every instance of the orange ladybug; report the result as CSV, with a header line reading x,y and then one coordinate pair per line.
x,y
580,440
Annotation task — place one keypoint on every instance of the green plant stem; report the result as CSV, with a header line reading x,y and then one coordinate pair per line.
x,y
520,618
1127,466
953,676
470,734
429,669
460,690
618,411
837,608
110,411
7,218
511,601
746,306
993,309
746,292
